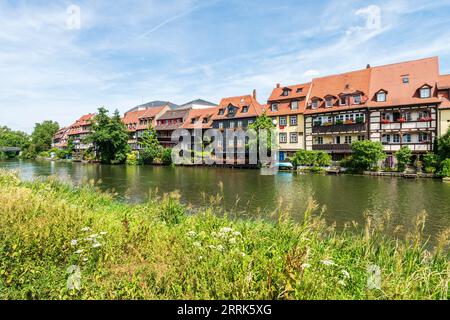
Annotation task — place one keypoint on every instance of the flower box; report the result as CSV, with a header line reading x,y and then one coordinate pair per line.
x,y
328,124
385,121
349,122
401,120
425,119
339,122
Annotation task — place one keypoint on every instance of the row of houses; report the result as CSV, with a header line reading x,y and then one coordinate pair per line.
x,y
401,104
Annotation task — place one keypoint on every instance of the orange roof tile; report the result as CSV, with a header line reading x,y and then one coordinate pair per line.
x,y
199,115
295,92
389,78
254,107
444,82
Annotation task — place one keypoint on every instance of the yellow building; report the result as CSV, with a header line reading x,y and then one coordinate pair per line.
x,y
286,106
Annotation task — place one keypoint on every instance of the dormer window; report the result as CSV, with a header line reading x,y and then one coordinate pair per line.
x,y
343,101
205,120
405,79
357,99
285,93
244,109
329,102
274,107
299,90
425,92
315,104
294,105
221,111
381,96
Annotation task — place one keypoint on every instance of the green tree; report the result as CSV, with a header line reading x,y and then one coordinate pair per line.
x,y
311,158
10,138
430,162
445,171
110,137
443,146
151,148
366,154
42,136
263,122
403,158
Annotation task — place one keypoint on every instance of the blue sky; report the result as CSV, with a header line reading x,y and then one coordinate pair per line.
x,y
126,52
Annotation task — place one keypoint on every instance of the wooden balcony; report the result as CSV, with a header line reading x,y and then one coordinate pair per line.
x,y
354,127
335,148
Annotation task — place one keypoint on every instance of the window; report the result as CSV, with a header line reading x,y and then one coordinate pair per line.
x,y
220,143
221,111
361,138
274,107
424,114
337,140
220,125
293,120
357,99
425,92
348,117
348,139
205,120
396,138
406,138
405,79
343,101
244,109
328,102
339,119
285,93
293,137
294,105
299,90
239,124
315,104
424,137
283,137
381,96
283,121
386,138
250,122
319,140
232,124
407,116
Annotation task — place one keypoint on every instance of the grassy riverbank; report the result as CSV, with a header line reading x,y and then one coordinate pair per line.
x,y
156,251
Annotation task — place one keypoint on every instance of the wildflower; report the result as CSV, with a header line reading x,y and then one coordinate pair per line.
x,y
341,282
345,274
220,247
85,259
197,244
80,251
192,234
73,243
232,240
103,233
96,244
328,263
214,234
85,229
243,254
226,230
212,246
200,258
93,236
306,266
237,234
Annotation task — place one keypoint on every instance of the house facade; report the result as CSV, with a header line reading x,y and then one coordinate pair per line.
x,y
61,138
443,88
78,133
286,106
336,114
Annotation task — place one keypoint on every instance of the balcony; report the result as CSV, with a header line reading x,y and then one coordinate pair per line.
x,y
354,127
337,148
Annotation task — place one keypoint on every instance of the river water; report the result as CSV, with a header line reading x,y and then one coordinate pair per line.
x,y
250,194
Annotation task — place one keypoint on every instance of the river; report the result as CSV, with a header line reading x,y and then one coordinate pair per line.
x,y
250,194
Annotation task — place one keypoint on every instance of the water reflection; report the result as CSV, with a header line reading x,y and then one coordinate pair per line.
x,y
346,197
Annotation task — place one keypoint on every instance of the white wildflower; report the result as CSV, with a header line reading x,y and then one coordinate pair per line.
x,y
96,244
192,234
232,240
243,254
345,274
220,247
200,258
80,251
226,230
93,236
306,266
237,234
341,282
328,263
103,233
73,243
85,259
85,229
197,244
213,234
212,246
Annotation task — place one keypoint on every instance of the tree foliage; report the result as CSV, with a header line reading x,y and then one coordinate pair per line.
x,y
151,148
403,158
263,122
311,158
42,136
110,137
443,146
366,154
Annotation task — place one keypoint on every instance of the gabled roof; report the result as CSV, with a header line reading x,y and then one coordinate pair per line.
x,y
444,82
199,114
153,104
174,114
389,77
295,91
198,102
254,107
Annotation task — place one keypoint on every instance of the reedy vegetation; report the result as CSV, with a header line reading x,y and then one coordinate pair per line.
x,y
157,250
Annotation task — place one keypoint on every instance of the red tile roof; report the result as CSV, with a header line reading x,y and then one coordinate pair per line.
x,y
389,78
199,115
295,92
254,107
340,84
444,82
134,117
284,102
85,120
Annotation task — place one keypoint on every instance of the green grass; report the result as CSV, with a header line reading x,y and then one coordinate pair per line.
x,y
157,251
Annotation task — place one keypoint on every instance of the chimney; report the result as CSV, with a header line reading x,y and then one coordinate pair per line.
x,y
368,66
278,85
254,94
